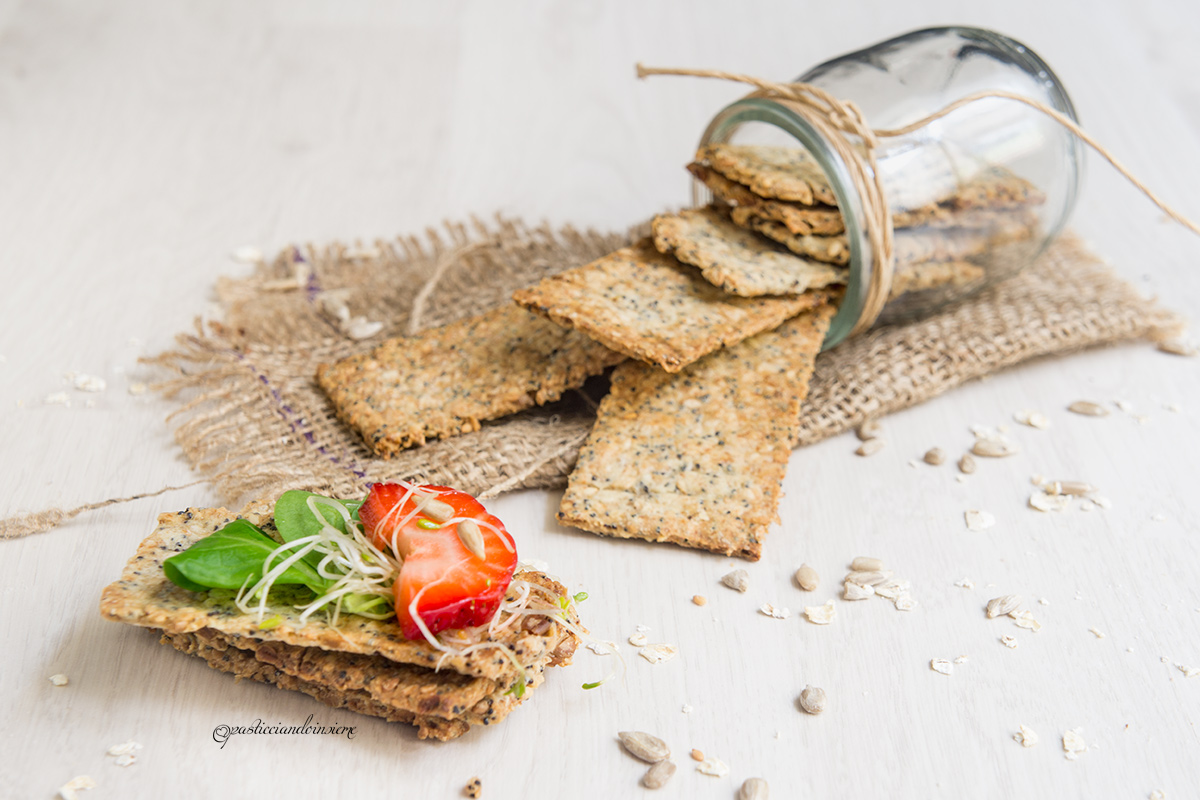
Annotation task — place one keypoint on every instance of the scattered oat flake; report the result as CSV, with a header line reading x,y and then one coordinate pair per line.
x,y
714,766
821,615
1157,794
870,447
124,749
638,640
59,679
961,660
1044,501
642,628
68,790
854,591
603,648
89,383
247,255
738,580
905,602
1099,634
965,583
686,708
775,612
1032,418
1043,601
1188,672
657,653
1073,744
1026,737
57,399
1124,405
1102,501
1164,660
979,520
941,665
1024,619
360,328
1009,642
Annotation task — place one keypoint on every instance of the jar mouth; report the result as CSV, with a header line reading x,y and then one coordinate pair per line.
x,y
862,258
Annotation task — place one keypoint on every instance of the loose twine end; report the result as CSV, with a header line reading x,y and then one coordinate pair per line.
x,y
39,521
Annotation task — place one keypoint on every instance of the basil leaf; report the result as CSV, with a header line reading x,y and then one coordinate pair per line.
x,y
232,558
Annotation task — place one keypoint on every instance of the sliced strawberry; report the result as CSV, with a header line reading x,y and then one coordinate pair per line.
x,y
452,587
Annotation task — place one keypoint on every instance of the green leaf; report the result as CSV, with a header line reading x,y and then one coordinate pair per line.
x,y
232,558
295,519
369,603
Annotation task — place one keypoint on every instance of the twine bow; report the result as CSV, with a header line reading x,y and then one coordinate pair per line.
x,y
840,122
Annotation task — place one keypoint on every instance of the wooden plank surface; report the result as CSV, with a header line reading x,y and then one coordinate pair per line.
x,y
142,142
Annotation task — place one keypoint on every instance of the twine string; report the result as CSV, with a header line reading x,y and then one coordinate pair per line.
x,y
844,119
39,521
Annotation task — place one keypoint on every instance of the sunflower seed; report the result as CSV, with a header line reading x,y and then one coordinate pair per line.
x,y
1178,347
1088,409
994,448
738,580
966,464
871,429
754,789
854,591
873,578
713,766
657,776
1026,738
1043,501
647,747
941,665
870,447
1073,488
935,456
807,578
866,564
812,700
999,606
435,509
821,615
979,520
471,538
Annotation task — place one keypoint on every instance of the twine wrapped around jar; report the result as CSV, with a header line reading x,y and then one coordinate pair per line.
x,y
844,127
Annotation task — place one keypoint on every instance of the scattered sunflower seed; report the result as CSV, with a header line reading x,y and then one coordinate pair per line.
x,y
657,776
866,564
774,612
821,615
1009,642
994,448
871,429
868,578
935,456
942,666
1026,738
656,653
1005,604
1088,409
1043,501
714,767
807,578
870,447
1073,744
69,789
59,679
738,580
754,789
979,520
1178,347
1073,488
699,599
812,700
966,464
854,591
647,747
697,755
1032,418
471,538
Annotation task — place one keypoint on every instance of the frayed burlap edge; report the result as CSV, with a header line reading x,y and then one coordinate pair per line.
x,y
253,420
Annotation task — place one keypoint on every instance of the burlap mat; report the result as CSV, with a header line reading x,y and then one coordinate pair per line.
x,y
254,421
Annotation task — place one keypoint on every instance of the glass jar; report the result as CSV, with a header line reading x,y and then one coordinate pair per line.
x,y
974,196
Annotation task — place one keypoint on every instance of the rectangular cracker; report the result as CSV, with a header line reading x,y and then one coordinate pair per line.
x,y
774,173
143,596
645,304
915,277
697,458
737,260
445,381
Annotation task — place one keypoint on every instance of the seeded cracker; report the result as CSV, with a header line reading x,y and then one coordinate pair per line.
x,y
445,381
697,458
648,305
735,259
781,173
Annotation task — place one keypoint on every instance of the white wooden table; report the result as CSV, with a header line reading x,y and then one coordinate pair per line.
x,y
141,142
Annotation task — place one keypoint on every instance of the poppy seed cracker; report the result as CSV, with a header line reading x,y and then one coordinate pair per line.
x,y
447,380
697,458
737,260
645,304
